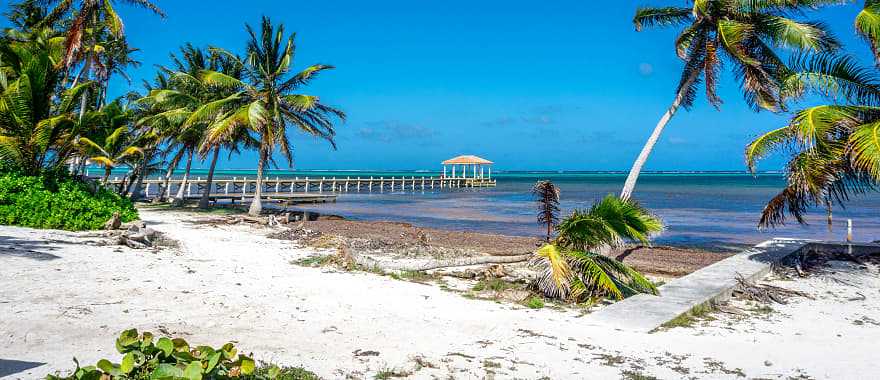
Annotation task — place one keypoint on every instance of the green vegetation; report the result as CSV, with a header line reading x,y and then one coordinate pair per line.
x,y
570,270
166,358
534,303
55,119
46,202
835,148
741,34
701,312
493,284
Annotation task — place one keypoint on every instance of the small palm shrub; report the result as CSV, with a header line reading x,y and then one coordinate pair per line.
x,y
570,269
174,359
59,203
547,197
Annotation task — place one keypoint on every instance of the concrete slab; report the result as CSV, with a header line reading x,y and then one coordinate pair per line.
x,y
645,313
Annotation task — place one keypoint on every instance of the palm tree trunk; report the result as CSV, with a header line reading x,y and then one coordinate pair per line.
x,y
256,204
178,199
206,196
135,193
106,175
636,169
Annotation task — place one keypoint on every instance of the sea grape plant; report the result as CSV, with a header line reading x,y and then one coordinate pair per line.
x,y
170,359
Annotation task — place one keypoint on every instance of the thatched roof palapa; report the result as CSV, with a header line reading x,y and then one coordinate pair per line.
x,y
467,160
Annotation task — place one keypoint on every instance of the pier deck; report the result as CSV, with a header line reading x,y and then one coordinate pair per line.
x,y
302,189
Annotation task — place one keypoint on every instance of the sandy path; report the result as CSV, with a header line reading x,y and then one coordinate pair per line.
x,y
60,298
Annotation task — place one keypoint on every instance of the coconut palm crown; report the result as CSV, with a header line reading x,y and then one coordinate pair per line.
x,y
745,35
835,148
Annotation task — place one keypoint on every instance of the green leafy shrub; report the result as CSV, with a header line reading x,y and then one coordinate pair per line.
x,y
57,202
173,359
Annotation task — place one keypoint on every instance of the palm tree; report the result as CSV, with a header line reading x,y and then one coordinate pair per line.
x,y
183,93
115,144
35,132
547,197
743,33
269,102
569,267
89,18
835,148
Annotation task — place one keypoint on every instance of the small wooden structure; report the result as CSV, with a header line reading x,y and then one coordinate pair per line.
x,y
468,163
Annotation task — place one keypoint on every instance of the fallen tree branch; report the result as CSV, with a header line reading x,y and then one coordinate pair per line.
x,y
428,264
764,293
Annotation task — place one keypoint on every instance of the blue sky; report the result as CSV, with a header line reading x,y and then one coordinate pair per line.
x,y
556,85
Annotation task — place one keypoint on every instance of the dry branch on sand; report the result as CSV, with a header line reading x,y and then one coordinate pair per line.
x,y
764,293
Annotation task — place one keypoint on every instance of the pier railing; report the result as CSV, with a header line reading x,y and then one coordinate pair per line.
x,y
244,187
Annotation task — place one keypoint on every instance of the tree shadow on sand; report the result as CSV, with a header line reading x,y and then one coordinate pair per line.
x,y
11,367
26,248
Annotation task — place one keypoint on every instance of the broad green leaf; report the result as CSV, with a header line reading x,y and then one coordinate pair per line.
x,y
193,371
127,363
247,365
165,345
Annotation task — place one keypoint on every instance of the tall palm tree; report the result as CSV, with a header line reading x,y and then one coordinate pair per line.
x,y
835,148
570,268
742,33
269,101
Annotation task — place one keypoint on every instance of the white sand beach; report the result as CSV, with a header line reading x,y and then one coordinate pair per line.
x,y
60,298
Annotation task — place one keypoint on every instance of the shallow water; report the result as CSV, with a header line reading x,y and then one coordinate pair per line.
x,y
705,210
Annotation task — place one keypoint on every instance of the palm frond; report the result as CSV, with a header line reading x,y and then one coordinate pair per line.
x,y
666,16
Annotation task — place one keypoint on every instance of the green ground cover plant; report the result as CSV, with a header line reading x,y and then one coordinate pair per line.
x,y
58,202
173,358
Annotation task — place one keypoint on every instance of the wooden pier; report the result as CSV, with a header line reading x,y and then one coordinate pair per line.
x,y
306,189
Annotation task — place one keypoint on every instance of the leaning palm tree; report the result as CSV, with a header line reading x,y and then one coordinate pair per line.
x,y
742,33
269,102
570,267
835,148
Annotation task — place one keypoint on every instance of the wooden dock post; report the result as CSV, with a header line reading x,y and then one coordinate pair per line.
x,y
423,183
277,185
346,184
306,187
321,185
226,189
358,184
370,185
392,184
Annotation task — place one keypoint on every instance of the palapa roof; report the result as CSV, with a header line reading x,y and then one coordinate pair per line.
x,y
467,160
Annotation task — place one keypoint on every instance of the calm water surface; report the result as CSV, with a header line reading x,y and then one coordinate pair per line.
x,y
707,210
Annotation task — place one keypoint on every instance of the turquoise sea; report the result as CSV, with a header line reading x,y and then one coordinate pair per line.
x,y
714,210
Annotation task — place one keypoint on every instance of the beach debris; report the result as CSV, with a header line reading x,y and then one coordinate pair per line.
x,y
134,235
358,352
764,293
114,223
